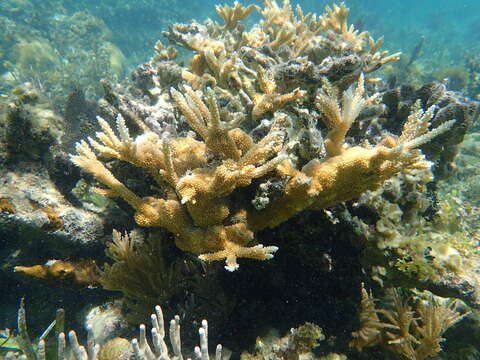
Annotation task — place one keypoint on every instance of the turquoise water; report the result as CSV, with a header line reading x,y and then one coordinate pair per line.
x,y
449,29
64,62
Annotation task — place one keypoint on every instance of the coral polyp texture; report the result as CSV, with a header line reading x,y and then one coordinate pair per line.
x,y
254,130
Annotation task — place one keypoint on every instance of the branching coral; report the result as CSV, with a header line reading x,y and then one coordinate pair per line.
x,y
339,120
206,177
269,100
202,190
282,35
231,16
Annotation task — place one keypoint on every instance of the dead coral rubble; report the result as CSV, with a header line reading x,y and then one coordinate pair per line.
x,y
242,123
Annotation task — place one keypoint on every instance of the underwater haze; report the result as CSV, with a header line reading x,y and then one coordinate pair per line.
x,y
305,175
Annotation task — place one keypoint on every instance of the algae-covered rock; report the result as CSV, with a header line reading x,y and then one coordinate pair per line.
x,y
31,126
35,54
116,59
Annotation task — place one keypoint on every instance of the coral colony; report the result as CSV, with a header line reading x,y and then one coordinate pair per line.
x,y
259,124
242,116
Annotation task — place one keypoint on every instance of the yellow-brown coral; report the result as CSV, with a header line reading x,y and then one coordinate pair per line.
x,y
80,272
202,173
232,15
269,100
198,217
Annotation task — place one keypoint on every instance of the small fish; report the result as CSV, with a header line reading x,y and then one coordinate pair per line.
x,y
417,50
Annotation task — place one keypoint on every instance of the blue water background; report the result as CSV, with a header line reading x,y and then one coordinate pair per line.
x,y
449,26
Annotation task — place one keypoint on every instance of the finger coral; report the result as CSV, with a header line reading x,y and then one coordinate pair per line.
x,y
241,109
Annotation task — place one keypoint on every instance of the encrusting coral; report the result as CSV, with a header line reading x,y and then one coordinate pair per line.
x,y
236,83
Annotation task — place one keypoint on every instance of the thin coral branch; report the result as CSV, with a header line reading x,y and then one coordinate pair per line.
x,y
339,118
233,15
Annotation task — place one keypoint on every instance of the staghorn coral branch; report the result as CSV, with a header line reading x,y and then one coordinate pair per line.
x,y
321,184
201,110
282,37
233,251
191,112
169,173
213,107
335,18
273,14
233,15
223,68
119,148
340,119
417,122
87,160
429,136
270,100
206,122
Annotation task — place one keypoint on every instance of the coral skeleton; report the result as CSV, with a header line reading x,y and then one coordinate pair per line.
x,y
205,173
